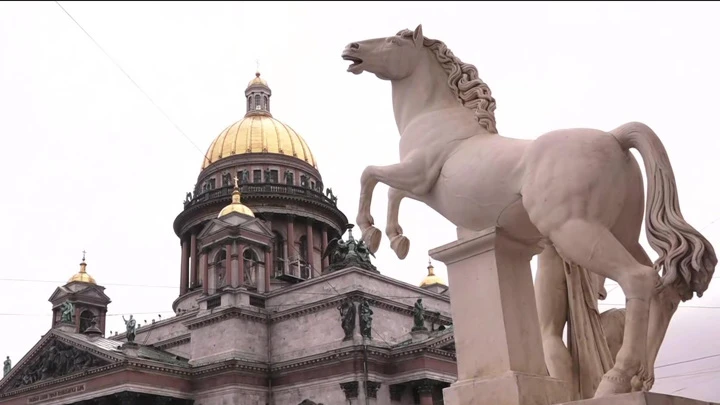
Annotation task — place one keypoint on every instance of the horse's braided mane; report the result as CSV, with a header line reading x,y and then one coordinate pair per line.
x,y
463,79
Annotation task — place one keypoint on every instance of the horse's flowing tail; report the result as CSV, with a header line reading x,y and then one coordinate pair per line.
x,y
686,258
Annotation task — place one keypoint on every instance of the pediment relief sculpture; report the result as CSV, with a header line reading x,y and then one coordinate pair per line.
x,y
57,359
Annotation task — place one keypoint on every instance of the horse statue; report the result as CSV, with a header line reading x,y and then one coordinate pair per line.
x,y
576,195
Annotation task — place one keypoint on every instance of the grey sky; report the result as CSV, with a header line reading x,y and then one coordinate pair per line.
x,y
87,162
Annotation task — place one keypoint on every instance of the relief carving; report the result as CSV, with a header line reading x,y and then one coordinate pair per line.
x,y
58,359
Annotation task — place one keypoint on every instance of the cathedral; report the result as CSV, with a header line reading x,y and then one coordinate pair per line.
x,y
278,302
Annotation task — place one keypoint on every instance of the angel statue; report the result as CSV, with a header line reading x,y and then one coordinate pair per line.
x,y
347,254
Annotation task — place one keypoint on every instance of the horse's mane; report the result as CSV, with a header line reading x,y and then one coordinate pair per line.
x,y
463,79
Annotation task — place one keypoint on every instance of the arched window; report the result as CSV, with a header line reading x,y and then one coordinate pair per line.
x,y
220,268
86,318
304,270
266,104
250,268
248,103
257,101
279,252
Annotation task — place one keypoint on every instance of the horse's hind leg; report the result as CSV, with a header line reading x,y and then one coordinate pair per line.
x,y
593,246
398,242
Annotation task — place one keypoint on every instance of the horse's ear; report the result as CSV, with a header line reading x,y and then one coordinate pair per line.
x,y
418,36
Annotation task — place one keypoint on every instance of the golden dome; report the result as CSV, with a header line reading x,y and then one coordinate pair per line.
x,y
431,277
257,80
258,134
82,275
236,205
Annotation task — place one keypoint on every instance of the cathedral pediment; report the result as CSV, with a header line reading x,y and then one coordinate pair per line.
x,y
86,291
235,222
54,357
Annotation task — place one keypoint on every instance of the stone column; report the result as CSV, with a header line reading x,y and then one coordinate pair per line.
x,y
193,261
268,270
425,390
323,246
238,264
229,265
205,269
291,253
500,356
311,248
184,267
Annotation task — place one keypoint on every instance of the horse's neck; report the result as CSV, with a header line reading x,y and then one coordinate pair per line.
x,y
423,92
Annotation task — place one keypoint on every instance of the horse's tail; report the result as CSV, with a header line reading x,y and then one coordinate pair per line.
x,y
686,258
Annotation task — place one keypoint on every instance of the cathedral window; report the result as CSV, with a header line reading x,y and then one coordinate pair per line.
x,y
86,318
304,269
279,251
257,102
273,176
211,184
257,176
248,104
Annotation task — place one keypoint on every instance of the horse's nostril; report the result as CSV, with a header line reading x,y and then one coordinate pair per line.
x,y
355,46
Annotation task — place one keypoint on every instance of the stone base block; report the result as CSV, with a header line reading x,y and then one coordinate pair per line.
x,y
641,398
511,388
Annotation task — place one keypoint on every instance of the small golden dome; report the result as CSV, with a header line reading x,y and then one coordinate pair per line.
x,y
431,277
236,205
257,80
82,275
258,134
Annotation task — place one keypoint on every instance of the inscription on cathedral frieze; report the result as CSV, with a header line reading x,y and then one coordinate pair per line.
x,y
55,394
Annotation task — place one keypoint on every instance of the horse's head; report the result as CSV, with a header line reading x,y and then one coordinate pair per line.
x,y
391,58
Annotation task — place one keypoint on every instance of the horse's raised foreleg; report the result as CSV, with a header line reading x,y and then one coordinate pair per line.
x,y
413,176
398,242
594,247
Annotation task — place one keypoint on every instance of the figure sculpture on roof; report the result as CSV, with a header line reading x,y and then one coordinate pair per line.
x,y
419,316
366,314
67,310
7,366
130,326
346,254
347,318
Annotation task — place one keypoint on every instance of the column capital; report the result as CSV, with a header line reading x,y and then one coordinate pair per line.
x,y
371,389
350,389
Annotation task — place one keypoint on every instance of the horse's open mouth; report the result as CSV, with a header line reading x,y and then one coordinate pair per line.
x,y
355,62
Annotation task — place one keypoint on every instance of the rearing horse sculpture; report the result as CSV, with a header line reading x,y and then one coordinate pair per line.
x,y
577,193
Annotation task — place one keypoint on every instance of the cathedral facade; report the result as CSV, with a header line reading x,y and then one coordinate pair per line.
x,y
278,303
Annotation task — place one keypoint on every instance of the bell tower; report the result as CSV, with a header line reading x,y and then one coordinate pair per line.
x,y
79,302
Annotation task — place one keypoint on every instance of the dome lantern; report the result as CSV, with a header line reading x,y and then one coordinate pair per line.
x,y
258,95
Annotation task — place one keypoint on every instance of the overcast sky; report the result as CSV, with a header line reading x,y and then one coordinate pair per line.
x,y
87,162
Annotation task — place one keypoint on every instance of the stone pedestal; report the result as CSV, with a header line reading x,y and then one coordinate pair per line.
x,y
641,398
497,333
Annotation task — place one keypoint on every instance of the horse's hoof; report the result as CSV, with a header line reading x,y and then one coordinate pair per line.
x,y
372,237
401,245
612,383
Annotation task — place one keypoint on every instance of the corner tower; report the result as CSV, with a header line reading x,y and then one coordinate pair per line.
x,y
280,184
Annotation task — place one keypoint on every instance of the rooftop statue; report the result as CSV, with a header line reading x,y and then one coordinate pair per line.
x,y
576,193
346,254
7,366
67,310
130,326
